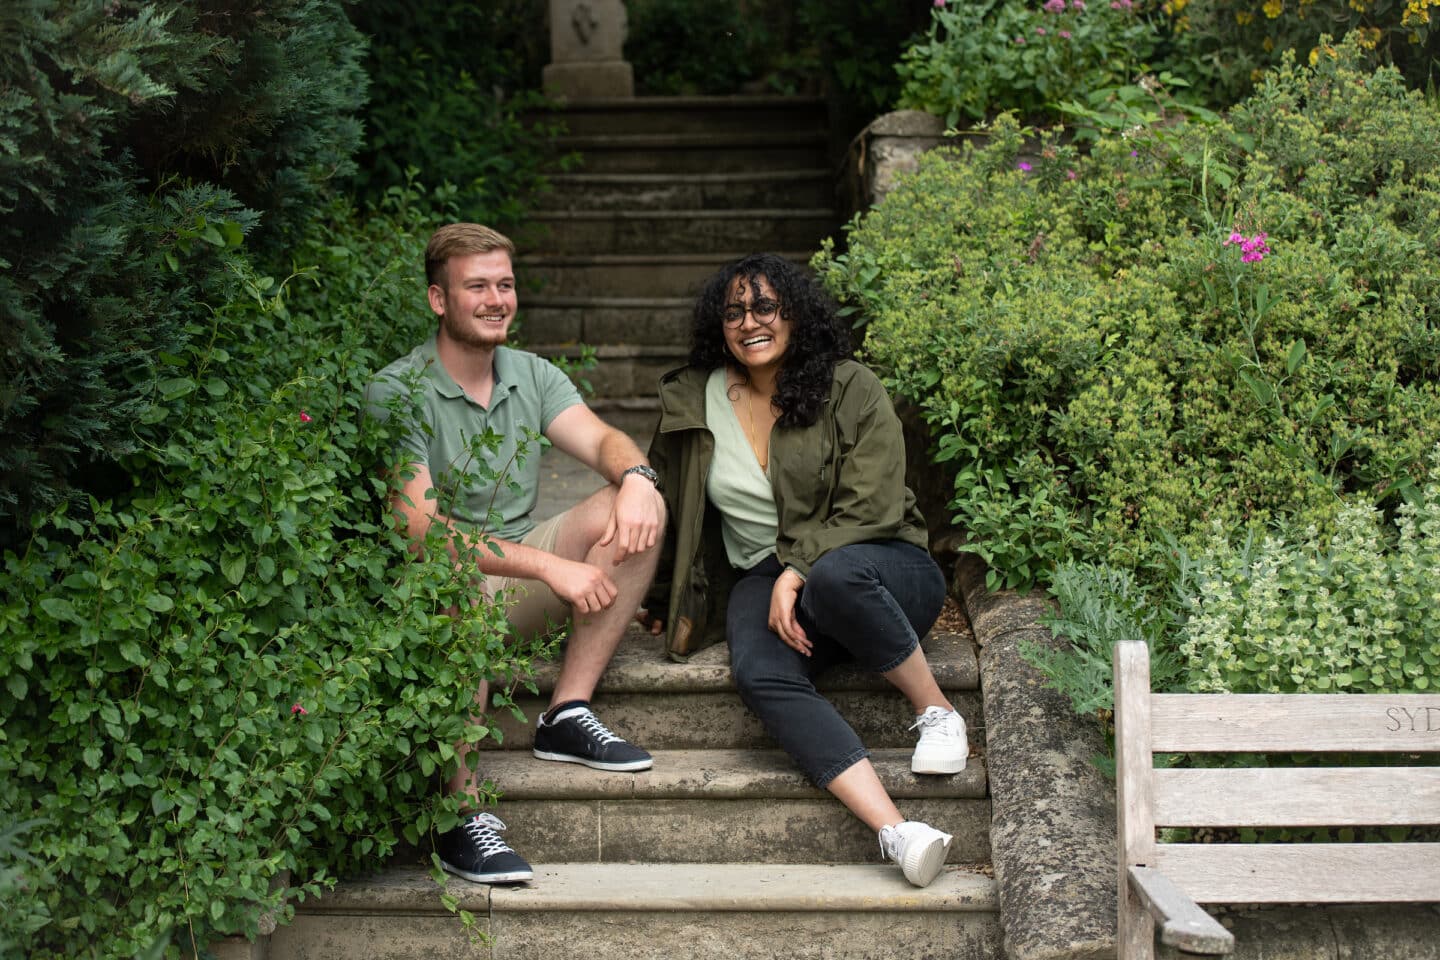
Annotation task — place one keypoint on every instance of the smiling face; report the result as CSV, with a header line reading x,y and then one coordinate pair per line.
x,y
477,302
759,334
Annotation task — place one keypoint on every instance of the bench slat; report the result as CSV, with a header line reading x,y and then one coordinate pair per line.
x,y
1182,923
1298,797
1261,723
1303,873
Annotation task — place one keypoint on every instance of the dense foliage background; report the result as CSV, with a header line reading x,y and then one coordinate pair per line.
x,y
219,664
1202,325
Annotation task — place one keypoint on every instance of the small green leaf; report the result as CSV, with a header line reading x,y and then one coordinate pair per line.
x,y
159,603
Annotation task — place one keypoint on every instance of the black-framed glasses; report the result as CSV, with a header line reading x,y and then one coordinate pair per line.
x,y
764,312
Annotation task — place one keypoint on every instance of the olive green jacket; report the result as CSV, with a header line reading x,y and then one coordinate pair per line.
x,y
837,482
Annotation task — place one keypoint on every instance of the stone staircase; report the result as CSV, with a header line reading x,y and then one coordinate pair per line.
x,y
669,189
722,850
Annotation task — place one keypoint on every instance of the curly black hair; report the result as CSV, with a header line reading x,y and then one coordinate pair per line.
x,y
818,338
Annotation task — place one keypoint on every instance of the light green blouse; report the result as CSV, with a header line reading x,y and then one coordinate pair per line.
x,y
736,485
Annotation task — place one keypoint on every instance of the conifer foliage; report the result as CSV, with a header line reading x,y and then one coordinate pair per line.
x,y
140,142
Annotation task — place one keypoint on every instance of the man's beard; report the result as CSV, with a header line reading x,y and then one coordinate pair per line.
x,y
470,335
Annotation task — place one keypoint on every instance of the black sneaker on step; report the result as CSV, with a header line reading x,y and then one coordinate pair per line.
x,y
475,851
577,736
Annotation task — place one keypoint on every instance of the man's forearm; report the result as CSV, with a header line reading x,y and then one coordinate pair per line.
x,y
618,453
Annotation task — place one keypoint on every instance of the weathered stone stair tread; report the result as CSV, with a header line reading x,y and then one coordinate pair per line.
x,y
661,141
638,303
804,213
713,774
644,259
648,887
706,102
642,179
640,666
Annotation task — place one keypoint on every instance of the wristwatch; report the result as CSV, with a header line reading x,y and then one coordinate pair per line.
x,y
645,471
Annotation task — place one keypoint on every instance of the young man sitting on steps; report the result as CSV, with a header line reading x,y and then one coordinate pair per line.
x,y
593,563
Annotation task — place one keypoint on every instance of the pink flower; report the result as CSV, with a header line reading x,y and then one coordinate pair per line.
x,y
1252,249
296,708
1020,40
1054,6
1023,166
939,3
1040,31
1070,174
1065,34
305,417
1077,5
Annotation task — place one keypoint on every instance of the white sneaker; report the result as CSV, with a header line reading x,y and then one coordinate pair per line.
x,y
917,847
942,747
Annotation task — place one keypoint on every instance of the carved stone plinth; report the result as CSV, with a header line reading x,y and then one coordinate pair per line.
x,y
587,40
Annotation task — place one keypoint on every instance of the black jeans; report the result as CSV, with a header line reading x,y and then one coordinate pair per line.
x,y
870,602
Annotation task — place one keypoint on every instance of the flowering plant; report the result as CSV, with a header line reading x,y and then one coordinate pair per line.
x,y
979,59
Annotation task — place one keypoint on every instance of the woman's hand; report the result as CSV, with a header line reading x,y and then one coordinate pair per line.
x,y
783,598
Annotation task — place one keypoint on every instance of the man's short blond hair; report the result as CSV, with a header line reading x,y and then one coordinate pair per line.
x,y
459,240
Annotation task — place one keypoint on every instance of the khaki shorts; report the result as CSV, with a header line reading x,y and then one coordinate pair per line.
x,y
534,609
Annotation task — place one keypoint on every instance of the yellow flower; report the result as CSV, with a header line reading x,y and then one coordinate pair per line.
x,y
1244,17
1360,5
1273,8
1268,44
1369,37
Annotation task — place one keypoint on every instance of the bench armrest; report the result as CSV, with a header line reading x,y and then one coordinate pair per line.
x,y
1182,923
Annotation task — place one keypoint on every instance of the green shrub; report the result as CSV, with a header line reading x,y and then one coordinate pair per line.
x,y
239,668
1103,370
1354,613
453,97
131,135
1231,42
981,58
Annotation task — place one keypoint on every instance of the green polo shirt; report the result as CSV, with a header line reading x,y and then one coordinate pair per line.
x,y
445,431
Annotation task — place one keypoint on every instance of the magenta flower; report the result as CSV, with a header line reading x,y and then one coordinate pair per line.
x,y
296,708
1040,31
1070,175
305,417
1252,249
1065,34
939,3
1054,6
1023,167
1077,5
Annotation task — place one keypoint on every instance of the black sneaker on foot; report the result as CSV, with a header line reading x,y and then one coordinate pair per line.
x,y
577,736
475,851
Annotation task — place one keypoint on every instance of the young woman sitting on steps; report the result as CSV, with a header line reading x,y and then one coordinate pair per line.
x,y
792,531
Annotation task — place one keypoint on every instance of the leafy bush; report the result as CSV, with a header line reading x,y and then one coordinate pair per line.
x,y
131,136
1231,42
239,668
979,59
453,96
1104,370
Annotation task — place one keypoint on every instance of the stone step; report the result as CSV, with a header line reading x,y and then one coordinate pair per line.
x,y
640,911
628,275
642,696
624,370
679,231
638,321
669,115
691,191
696,806
714,775
696,152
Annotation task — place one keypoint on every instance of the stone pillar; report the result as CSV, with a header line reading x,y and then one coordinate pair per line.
x,y
587,62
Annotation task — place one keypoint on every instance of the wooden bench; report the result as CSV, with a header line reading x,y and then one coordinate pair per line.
x,y
1163,883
